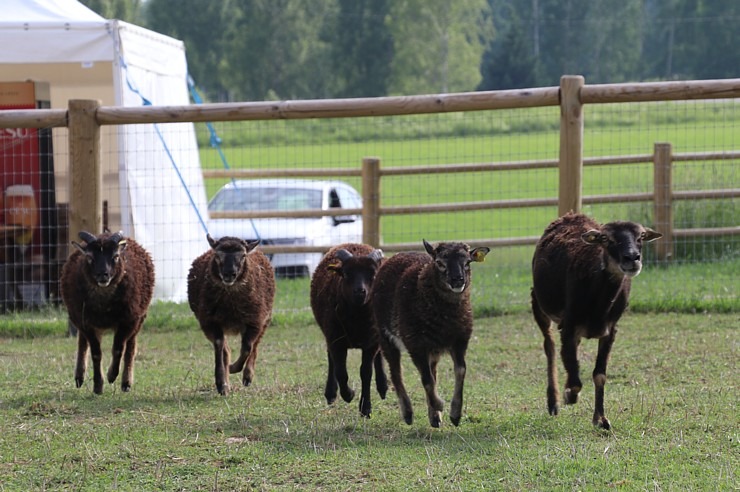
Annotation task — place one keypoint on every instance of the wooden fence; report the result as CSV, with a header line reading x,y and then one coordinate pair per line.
x,y
84,119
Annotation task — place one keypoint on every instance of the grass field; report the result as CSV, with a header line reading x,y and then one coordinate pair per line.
x,y
672,398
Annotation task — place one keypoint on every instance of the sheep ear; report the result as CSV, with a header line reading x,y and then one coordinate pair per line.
x,y
250,245
211,241
343,255
428,247
335,267
479,254
650,235
593,237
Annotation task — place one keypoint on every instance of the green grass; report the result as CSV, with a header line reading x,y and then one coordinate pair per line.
x,y
671,398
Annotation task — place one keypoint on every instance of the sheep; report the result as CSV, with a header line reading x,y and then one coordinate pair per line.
x,y
231,290
421,302
107,284
340,291
582,273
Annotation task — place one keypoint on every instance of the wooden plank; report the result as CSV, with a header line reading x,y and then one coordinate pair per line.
x,y
332,108
571,145
371,201
85,205
33,118
661,91
663,205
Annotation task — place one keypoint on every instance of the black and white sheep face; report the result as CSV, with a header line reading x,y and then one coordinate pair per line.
x,y
102,256
358,273
452,261
622,242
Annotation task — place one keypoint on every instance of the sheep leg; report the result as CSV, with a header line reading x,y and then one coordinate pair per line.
x,y
338,353
330,390
248,375
119,341
599,377
458,360
82,349
544,323
381,380
221,353
244,353
97,358
393,356
423,362
128,364
569,353
366,377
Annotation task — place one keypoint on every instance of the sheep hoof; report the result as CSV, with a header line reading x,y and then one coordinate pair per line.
x,y
382,390
408,418
435,419
247,380
455,419
365,408
98,390
78,382
125,387
601,422
348,394
571,395
554,410
330,399
223,390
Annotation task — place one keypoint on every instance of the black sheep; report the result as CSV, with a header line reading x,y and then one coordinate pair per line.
x,y
582,275
231,289
107,284
421,302
340,292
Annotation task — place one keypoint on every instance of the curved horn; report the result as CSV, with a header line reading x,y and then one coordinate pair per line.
x,y
343,255
376,255
86,236
116,237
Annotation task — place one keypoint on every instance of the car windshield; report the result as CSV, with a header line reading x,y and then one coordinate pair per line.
x,y
267,198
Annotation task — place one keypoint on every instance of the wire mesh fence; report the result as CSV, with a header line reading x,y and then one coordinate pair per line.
x,y
524,142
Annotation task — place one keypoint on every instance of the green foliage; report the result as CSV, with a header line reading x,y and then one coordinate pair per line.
x,y
670,398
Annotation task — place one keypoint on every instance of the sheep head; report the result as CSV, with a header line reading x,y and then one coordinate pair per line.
x,y
357,273
230,257
622,244
452,262
103,255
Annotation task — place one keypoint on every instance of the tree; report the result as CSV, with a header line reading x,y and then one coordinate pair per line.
x,y
361,48
197,24
510,64
438,45
125,10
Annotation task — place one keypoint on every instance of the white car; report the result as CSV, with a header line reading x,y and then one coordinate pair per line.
x,y
287,195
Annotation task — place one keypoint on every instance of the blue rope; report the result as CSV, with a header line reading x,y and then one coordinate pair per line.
x,y
215,142
147,102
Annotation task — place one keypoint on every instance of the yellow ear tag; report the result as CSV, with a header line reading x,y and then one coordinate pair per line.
x,y
479,255
334,267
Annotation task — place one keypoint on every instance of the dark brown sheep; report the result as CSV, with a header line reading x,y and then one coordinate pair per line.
x,y
340,292
582,273
107,284
421,302
231,289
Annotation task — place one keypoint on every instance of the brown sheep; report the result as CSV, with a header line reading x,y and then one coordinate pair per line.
x,y
582,273
340,294
421,303
231,290
107,284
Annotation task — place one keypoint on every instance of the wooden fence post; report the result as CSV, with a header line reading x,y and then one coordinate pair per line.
x,y
85,208
371,201
663,198
571,144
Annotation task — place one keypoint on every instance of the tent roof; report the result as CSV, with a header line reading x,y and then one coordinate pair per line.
x,y
53,31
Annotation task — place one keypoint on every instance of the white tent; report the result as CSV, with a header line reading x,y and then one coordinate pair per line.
x,y
152,176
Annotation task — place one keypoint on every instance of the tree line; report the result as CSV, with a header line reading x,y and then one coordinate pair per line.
x,y
307,49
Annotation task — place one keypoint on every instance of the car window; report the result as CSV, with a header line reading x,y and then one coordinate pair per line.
x,y
267,198
348,199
